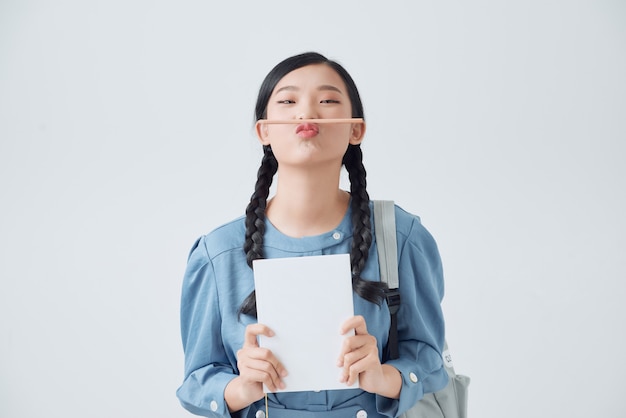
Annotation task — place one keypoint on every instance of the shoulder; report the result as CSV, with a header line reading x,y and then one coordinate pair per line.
x,y
411,231
405,221
225,238
418,253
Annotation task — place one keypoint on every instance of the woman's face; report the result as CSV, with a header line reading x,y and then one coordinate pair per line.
x,y
310,92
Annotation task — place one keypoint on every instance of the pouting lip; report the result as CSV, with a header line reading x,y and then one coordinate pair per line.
x,y
307,127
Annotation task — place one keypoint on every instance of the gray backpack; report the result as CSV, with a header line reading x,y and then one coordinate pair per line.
x,y
451,401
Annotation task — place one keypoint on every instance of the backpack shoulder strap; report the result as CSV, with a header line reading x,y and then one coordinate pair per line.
x,y
385,231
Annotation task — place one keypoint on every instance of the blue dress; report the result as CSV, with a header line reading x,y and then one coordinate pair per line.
x,y
218,279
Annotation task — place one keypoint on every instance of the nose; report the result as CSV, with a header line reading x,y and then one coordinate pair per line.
x,y
306,110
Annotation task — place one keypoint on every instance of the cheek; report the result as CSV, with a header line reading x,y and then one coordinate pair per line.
x,y
280,132
340,132
274,112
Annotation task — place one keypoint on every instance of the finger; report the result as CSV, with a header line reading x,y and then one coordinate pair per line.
x,y
357,323
263,372
347,362
263,360
253,331
356,363
355,350
260,377
353,343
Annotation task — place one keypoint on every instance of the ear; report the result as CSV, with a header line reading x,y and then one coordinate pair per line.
x,y
262,132
357,133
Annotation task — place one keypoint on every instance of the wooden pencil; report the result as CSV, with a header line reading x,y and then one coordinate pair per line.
x,y
299,121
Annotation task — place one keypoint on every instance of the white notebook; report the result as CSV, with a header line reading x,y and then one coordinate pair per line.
x,y
304,300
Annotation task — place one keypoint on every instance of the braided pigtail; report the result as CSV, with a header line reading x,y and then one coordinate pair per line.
x,y
255,220
362,226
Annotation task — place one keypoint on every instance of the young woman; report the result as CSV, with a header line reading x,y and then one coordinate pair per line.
x,y
309,214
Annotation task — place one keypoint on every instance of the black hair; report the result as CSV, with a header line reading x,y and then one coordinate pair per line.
x,y
352,160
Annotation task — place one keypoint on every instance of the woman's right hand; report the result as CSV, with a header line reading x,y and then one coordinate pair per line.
x,y
257,366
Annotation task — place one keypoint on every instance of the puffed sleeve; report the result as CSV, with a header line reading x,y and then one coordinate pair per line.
x,y
421,332
207,369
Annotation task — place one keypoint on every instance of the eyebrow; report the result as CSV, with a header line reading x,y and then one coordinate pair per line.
x,y
323,87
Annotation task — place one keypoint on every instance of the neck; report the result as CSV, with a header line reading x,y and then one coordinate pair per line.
x,y
307,203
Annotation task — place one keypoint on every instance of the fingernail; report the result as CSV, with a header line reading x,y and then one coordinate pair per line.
x,y
283,373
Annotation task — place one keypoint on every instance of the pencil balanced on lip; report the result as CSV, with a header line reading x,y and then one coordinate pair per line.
x,y
298,121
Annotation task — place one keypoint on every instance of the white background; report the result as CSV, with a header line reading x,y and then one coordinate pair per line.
x,y
126,132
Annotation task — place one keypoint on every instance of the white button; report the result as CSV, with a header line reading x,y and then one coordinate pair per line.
x,y
260,414
361,414
447,358
336,235
413,377
213,406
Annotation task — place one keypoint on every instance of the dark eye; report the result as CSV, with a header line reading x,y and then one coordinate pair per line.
x,y
287,101
330,101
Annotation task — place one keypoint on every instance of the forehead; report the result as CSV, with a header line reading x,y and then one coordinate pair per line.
x,y
311,76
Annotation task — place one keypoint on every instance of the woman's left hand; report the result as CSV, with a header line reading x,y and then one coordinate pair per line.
x,y
359,356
